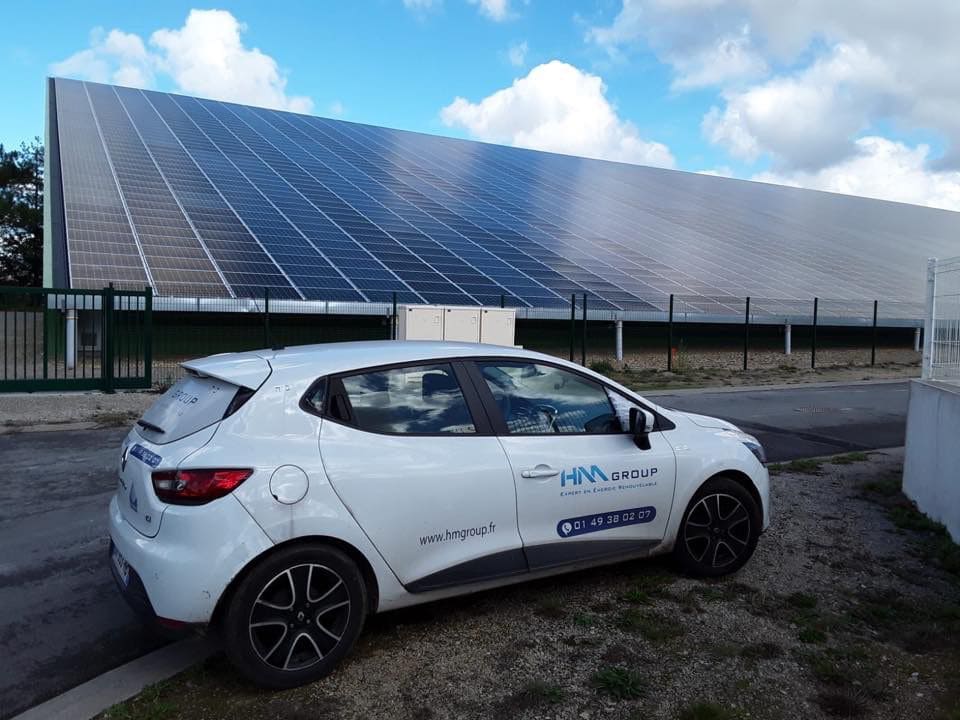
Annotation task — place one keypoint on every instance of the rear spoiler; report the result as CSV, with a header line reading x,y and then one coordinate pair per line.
x,y
243,369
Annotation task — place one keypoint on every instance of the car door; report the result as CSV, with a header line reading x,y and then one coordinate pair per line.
x,y
584,488
411,454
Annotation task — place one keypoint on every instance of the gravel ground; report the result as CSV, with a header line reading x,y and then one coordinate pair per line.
x,y
841,613
29,409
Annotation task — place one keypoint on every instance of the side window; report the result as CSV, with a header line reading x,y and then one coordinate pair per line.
x,y
538,399
410,400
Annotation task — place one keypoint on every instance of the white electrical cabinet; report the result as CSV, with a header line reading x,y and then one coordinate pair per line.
x,y
462,324
420,322
498,326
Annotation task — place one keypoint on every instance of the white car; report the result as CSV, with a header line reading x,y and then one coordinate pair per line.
x,y
281,496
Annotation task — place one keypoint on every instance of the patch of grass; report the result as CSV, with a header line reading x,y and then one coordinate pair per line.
x,y
115,419
602,366
887,486
807,466
533,694
653,627
907,517
849,458
638,597
812,635
802,600
151,704
584,620
761,651
709,711
841,704
550,607
619,683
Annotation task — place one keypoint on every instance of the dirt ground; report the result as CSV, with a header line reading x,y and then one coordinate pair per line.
x,y
848,609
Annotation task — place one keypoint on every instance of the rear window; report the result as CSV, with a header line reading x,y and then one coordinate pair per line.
x,y
191,405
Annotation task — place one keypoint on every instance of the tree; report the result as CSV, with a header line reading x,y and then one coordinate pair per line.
x,y
21,215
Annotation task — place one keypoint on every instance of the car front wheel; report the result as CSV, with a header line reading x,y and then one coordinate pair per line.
x,y
295,615
719,530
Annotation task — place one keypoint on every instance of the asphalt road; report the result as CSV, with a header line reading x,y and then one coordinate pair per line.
x,y
803,422
62,621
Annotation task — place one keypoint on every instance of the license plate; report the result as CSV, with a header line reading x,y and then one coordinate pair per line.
x,y
121,566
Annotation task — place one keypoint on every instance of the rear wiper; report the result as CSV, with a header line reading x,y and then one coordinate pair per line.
x,y
150,426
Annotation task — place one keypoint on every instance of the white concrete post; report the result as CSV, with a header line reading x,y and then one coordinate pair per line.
x,y
71,338
619,325
916,340
787,340
928,328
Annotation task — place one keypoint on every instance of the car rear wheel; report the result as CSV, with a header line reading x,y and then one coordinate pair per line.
x,y
719,530
295,615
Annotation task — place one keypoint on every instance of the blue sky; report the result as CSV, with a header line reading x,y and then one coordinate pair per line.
x,y
852,98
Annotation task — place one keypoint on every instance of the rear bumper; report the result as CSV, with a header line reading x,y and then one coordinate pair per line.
x,y
181,573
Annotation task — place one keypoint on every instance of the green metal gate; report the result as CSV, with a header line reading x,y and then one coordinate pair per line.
x,y
61,339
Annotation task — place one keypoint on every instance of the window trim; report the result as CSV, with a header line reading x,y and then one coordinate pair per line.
x,y
475,408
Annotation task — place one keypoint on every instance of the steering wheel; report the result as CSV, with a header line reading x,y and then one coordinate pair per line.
x,y
528,414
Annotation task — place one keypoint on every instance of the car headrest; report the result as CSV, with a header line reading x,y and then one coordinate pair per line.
x,y
437,382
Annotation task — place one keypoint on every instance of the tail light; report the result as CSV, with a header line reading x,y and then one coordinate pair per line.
x,y
195,487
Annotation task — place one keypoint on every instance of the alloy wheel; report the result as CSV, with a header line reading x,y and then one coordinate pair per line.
x,y
299,617
717,531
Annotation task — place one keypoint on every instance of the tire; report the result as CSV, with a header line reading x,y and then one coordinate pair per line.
x,y
295,616
719,529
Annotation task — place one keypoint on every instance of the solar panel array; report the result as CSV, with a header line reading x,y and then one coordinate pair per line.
x,y
199,198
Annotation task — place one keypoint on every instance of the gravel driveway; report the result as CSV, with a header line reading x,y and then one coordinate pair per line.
x,y
847,610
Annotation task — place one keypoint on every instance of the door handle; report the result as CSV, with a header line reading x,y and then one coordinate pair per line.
x,y
540,471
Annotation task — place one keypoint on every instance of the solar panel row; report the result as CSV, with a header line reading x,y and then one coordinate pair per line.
x,y
208,199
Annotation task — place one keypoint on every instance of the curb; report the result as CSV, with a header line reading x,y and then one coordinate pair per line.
x,y
104,691
50,427
763,388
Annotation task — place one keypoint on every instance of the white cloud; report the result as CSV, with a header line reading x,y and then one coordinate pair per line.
x,y
205,57
337,109
517,54
114,56
496,10
840,67
808,120
884,169
559,108
422,6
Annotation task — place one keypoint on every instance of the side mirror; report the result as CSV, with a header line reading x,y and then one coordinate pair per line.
x,y
641,425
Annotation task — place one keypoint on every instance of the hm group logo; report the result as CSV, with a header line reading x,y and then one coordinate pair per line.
x,y
578,474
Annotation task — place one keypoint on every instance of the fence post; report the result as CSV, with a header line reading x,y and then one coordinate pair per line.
x,y
573,322
106,344
393,318
746,333
670,336
266,318
148,336
583,340
503,300
787,337
619,343
813,343
928,322
873,344
46,331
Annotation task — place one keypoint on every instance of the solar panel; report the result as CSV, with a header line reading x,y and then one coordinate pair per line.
x,y
210,199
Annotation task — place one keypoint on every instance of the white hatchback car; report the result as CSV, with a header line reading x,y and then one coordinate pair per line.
x,y
281,496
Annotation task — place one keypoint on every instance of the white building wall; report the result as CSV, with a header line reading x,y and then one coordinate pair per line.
x,y
931,469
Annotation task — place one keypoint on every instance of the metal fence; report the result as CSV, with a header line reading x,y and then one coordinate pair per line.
x,y
62,339
941,351
75,339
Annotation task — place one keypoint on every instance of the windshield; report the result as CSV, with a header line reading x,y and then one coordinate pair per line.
x,y
192,404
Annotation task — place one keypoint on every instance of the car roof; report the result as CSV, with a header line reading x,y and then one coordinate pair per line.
x,y
328,358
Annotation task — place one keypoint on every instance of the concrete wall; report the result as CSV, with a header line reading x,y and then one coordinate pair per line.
x,y
931,469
